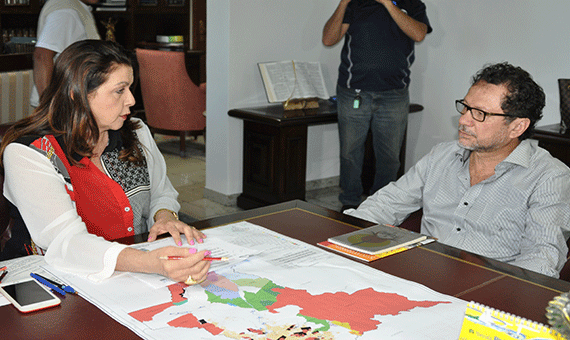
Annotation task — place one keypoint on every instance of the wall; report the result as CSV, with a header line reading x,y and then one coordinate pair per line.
x,y
467,34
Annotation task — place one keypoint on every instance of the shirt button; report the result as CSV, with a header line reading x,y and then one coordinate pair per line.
x,y
465,203
458,229
127,209
129,229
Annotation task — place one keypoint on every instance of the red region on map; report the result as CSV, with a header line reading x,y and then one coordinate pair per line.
x,y
356,309
190,321
146,314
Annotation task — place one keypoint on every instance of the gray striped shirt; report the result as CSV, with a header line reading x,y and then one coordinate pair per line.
x,y
520,215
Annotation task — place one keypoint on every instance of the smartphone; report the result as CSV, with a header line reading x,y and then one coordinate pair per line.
x,y
29,295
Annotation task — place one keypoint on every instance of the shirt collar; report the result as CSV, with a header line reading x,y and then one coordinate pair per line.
x,y
521,155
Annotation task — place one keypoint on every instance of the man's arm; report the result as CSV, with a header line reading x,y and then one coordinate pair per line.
x,y
393,203
414,29
543,246
43,68
335,29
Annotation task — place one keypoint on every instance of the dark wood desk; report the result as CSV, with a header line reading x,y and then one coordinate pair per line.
x,y
275,152
444,269
557,142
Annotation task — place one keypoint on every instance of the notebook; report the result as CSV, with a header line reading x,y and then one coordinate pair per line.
x,y
377,239
483,322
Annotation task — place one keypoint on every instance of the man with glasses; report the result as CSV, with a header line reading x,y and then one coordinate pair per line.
x,y
493,192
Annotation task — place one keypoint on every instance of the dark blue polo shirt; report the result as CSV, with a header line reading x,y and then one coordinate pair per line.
x,y
377,54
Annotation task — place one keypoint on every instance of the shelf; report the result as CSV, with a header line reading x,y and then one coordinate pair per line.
x,y
16,62
135,24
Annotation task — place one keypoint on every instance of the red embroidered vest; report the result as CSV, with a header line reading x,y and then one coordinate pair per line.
x,y
100,201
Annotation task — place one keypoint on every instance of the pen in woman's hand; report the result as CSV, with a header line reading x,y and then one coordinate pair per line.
x,y
205,258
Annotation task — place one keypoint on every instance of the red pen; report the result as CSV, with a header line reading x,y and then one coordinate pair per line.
x,y
3,268
183,257
215,259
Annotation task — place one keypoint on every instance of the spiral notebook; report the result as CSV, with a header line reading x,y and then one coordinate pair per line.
x,y
483,322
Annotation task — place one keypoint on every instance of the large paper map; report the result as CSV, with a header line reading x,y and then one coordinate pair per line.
x,y
284,289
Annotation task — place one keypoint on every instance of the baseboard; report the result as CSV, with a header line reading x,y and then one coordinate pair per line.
x,y
226,200
312,188
323,183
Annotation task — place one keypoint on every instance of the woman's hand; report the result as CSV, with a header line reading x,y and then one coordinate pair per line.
x,y
189,267
190,264
167,223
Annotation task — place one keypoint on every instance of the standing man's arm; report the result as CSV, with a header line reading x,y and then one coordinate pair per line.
x,y
335,29
43,68
414,29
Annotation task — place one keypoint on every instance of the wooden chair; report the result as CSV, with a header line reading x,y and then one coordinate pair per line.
x,y
173,103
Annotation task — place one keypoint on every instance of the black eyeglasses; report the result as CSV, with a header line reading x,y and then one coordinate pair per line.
x,y
478,115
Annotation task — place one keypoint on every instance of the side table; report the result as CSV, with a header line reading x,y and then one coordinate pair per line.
x,y
275,151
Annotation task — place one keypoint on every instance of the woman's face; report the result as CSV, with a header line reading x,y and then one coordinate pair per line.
x,y
111,102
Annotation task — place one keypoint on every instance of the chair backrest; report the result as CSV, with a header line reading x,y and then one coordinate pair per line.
x,y
4,214
171,100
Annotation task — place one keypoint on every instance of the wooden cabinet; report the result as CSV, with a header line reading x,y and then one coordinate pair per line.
x,y
138,22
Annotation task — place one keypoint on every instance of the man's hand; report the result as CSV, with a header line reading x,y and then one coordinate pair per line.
x,y
414,29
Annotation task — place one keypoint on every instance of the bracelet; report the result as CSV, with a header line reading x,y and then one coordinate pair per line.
x,y
163,209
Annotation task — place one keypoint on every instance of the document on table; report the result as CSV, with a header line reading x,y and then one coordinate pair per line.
x,y
219,248
276,286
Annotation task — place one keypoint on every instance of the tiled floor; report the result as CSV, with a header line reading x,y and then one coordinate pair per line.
x,y
188,175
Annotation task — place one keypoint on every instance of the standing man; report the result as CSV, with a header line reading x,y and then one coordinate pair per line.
x,y
61,23
372,89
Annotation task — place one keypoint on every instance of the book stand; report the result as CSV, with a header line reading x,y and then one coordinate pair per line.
x,y
300,104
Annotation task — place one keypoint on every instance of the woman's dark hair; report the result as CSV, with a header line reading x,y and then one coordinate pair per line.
x,y
64,106
525,98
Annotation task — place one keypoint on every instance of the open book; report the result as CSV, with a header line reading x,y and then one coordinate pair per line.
x,y
377,239
293,79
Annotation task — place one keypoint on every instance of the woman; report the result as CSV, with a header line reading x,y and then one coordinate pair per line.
x,y
80,173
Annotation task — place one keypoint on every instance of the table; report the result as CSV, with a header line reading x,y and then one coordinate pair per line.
x,y
555,140
275,152
442,268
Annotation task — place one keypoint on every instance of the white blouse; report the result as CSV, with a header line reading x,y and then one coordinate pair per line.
x,y
34,186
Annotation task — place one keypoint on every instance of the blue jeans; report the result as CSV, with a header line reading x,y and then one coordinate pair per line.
x,y
386,114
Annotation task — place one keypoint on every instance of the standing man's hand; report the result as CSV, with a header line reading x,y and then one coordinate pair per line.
x,y
414,29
